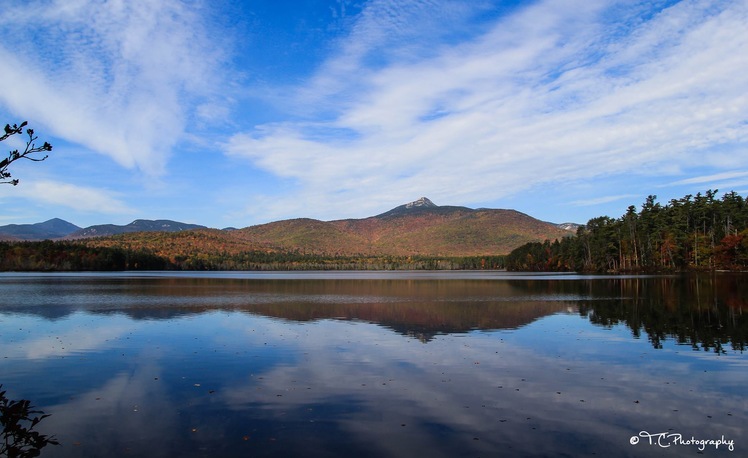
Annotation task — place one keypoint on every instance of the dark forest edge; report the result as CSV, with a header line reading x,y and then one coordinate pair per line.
x,y
699,232
65,256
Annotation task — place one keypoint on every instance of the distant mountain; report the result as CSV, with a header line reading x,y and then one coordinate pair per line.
x,y
417,228
571,227
305,235
421,206
139,225
51,229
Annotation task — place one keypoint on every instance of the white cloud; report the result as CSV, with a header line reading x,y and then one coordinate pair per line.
x,y
712,178
72,196
551,93
602,200
121,78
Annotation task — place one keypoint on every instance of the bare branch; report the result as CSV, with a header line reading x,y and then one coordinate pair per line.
x,y
15,155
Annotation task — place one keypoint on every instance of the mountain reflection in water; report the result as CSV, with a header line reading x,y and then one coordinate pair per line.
x,y
197,365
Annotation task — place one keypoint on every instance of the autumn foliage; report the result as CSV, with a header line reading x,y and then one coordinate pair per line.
x,y
698,232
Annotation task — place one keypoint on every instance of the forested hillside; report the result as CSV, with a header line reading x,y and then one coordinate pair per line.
x,y
419,235
415,231
701,232
69,256
201,250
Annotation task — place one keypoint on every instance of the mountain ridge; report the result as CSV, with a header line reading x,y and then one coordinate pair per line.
x,y
50,229
138,225
416,228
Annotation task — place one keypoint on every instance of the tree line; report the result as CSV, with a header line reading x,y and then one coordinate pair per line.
x,y
263,260
701,232
69,257
78,256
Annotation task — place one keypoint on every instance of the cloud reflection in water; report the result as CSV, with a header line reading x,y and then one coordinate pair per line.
x,y
400,371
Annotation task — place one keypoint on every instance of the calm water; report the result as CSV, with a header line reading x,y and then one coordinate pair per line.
x,y
379,364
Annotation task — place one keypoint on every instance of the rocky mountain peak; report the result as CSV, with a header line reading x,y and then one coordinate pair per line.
x,y
422,202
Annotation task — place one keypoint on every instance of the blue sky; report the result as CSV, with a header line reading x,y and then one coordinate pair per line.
x,y
234,113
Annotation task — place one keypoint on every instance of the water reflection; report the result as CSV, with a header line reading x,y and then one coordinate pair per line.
x,y
437,367
702,311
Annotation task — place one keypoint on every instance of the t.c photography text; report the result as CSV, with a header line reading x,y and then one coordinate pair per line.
x,y
668,439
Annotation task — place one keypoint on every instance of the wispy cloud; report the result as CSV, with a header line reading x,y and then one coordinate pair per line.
x,y
75,197
551,93
717,177
602,200
485,103
122,78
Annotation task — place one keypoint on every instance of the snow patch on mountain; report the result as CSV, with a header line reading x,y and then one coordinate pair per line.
x,y
422,202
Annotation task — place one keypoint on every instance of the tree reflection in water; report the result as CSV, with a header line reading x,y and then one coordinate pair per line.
x,y
701,311
182,366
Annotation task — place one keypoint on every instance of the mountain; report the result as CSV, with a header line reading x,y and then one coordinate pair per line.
x,y
421,204
51,229
417,228
58,229
306,235
139,225
571,227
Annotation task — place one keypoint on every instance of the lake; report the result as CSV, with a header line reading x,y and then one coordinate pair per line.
x,y
379,364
